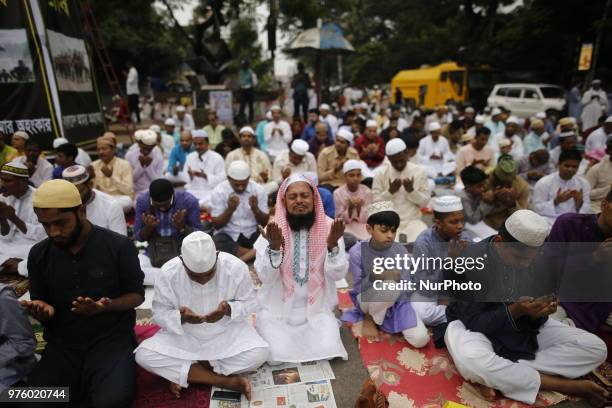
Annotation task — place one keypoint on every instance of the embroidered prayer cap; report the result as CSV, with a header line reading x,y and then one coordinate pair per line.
x,y
247,129
447,204
199,252
16,169
22,134
239,170
371,124
537,124
528,228
351,165
139,134
496,111
346,135
434,126
324,106
199,133
149,137
105,140
169,122
58,193
395,146
566,121
59,141
76,174
299,147
467,137
155,128
479,119
275,108
505,142
512,119
378,207
506,168
180,108
568,133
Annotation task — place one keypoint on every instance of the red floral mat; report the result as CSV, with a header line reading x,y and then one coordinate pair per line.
x,y
152,391
423,377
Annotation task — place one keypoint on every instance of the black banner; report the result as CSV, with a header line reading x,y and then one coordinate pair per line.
x,y
26,102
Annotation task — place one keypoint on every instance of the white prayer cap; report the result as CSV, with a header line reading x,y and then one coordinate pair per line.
x,y
269,115
479,119
149,137
447,203
466,137
299,147
469,109
569,133
21,134
169,122
16,169
155,128
299,177
378,207
596,81
537,124
275,108
513,119
371,123
505,142
239,170
487,109
364,105
199,252
59,141
527,227
608,120
76,174
346,135
138,135
434,126
199,133
180,108
309,175
350,165
247,129
324,106
541,115
395,146
496,111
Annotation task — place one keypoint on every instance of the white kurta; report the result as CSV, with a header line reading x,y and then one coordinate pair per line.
x,y
43,172
545,191
213,165
401,124
332,122
186,123
517,151
16,244
167,144
596,140
83,158
440,147
104,211
592,109
277,137
213,342
296,330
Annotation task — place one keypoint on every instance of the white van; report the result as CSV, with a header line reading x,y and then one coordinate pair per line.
x,y
525,100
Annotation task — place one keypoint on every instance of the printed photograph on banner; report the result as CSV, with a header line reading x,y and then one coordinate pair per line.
x,y
15,58
70,62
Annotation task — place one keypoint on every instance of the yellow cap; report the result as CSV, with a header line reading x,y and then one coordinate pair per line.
x,y
57,194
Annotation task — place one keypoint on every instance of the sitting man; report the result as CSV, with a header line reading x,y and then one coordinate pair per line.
x,y
600,177
370,146
239,207
476,202
100,208
332,158
163,212
7,152
435,154
205,167
297,160
389,311
563,191
537,139
113,174
19,227
171,130
39,168
513,346
476,153
83,158
404,184
322,139
147,162
178,157
567,142
65,156
510,133
257,160
510,192
203,302
535,165
277,133
84,285
299,259
350,201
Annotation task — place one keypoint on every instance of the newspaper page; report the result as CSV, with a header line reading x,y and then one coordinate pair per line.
x,y
291,373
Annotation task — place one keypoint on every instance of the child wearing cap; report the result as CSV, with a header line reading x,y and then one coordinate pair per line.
x,y
389,311
476,203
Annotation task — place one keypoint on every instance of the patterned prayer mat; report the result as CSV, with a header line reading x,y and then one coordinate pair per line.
x,y
425,377
19,284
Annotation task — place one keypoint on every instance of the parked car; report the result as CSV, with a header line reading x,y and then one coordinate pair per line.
x,y
525,100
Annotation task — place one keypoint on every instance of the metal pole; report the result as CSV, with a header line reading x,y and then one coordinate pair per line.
x,y
600,31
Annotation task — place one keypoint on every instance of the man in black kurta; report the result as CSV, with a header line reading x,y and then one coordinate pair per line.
x,y
85,282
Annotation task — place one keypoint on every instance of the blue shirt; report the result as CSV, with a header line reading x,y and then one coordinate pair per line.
x,y
259,133
178,155
309,132
57,172
327,198
182,201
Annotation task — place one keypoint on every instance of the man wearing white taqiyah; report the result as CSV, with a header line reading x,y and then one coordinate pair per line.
x,y
296,160
203,303
82,158
277,133
101,209
328,118
435,154
183,120
515,348
19,226
206,168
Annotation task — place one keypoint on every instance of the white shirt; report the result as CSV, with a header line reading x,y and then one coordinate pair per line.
x,y
83,158
43,172
212,164
186,124
546,189
226,338
277,137
428,147
167,144
105,212
308,164
131,83
517,145
596,140
24,209
243,220
331,121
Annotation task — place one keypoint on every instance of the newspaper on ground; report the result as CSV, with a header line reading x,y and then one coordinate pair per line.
x,y
290,373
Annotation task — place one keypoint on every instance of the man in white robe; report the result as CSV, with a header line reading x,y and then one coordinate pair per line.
x,y
277,133
100,208
39,169
299,259
206,168
327,117
594,104
597,139
183,120
435,154
19,226
510,132
83,158
203,303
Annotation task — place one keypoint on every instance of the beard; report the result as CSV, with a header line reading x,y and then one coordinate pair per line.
x,y
300,221
73,237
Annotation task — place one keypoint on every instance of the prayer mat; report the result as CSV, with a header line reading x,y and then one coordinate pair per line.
x,y
18,283
152,391
425,377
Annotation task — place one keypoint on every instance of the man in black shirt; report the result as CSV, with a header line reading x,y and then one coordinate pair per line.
x,y
85,282
506,342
